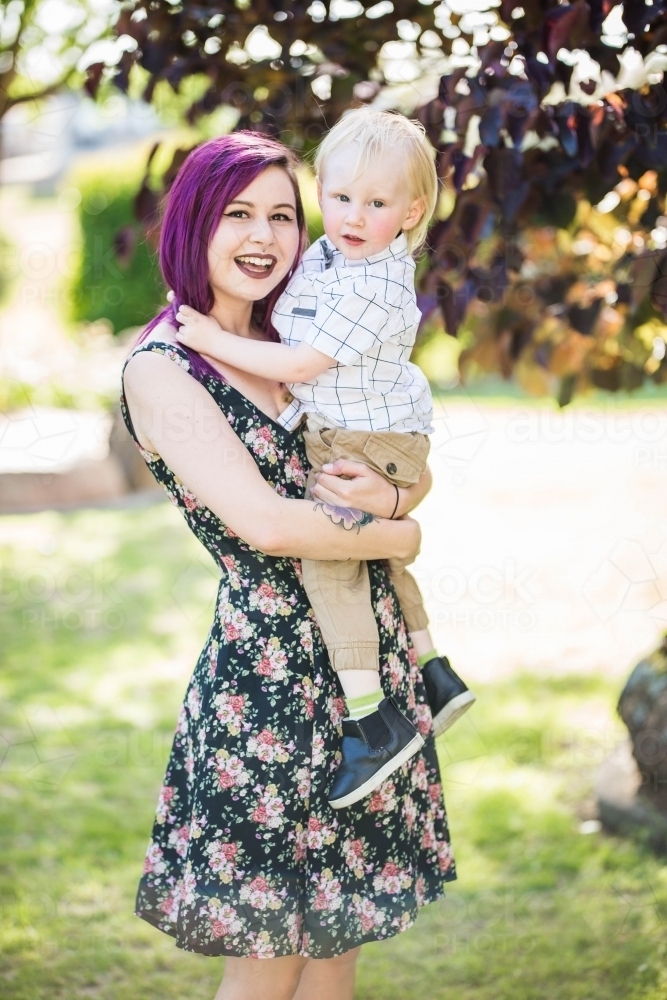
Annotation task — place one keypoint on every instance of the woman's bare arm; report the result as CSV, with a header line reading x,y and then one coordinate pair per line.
x,y
368,490
176,417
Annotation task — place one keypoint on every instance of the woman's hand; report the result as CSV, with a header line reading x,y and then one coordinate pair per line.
x,y
366,489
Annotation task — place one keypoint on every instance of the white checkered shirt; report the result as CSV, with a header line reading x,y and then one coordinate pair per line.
x,y
364,315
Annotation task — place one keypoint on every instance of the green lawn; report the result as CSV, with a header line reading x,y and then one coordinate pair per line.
x,y
102,614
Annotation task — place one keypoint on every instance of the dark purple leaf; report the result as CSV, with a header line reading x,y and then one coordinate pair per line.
x,y
454,302
159,55
507,180
567,134
178,159
124,243
584,318
447,89
599,10
561,26
584,139
651,151
431,117
448,307
453,158
637,15
539,74
613,153
490,125
468,105
146,205
490,56
93,78
426,303
121,77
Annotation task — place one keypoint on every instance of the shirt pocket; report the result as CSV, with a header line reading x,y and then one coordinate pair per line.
x,y
304,306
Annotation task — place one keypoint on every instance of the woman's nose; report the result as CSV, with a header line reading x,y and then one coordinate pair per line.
x,y
262,232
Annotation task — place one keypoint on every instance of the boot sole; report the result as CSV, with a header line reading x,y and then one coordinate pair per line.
x,y
452,711
415,744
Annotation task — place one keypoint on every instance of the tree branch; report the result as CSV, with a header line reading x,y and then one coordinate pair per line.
x,y
39,95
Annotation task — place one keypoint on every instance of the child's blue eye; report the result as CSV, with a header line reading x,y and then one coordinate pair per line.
x,y
378,204
343,197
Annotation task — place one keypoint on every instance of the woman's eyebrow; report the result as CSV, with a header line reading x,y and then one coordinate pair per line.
x,y
250,204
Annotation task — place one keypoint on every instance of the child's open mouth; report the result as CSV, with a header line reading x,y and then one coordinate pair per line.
x,y
353,241
256,265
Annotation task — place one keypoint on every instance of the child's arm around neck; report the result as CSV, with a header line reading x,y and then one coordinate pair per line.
x,y
258,357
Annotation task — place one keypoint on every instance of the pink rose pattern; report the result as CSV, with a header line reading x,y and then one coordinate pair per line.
x,y
246,857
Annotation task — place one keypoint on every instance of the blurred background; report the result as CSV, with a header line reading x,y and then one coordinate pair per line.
x,y
543,292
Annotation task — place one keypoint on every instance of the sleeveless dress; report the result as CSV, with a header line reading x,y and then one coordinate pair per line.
x,y
246,856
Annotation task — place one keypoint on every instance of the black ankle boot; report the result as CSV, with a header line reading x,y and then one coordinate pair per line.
x,y
373,748
448,696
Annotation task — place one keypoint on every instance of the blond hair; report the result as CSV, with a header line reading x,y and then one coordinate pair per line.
x,y
379,133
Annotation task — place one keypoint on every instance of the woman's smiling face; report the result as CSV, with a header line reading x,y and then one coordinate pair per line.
x,y
257,239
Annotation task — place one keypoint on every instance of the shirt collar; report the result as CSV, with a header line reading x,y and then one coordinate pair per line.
x,y
396,249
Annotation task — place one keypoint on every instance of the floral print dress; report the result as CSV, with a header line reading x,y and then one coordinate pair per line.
x,y
246,856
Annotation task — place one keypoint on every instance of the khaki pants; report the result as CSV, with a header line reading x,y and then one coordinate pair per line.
x,y
340,592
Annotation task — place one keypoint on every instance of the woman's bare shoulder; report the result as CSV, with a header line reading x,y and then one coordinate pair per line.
x,y
163,333
140,359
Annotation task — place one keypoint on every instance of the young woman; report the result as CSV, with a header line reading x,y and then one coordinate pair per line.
x,y
247,859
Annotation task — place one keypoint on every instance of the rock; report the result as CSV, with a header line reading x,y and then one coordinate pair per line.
x,y
622,809
643,708
631,785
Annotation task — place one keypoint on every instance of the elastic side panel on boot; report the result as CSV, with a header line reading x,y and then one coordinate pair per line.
x,y
376,730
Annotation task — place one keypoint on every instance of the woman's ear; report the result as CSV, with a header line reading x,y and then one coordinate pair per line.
x,y
414,214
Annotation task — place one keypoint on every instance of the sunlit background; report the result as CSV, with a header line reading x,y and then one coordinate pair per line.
x,y
544,561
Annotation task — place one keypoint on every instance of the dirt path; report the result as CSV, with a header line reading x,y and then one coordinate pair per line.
x,y
545,536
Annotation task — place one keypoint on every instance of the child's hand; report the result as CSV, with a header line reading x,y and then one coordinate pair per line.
x,y
197,331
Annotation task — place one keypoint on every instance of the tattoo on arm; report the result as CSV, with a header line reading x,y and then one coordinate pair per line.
x,y
348,517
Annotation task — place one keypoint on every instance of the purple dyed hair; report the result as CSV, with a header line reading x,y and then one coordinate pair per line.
x,y
213,175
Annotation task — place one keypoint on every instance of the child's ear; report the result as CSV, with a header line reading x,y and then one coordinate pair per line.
x,y
319,192
414,214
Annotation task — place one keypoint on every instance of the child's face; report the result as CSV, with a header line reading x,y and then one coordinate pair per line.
x,y
363,214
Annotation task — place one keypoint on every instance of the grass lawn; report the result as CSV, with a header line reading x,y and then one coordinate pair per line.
x,y
102,614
